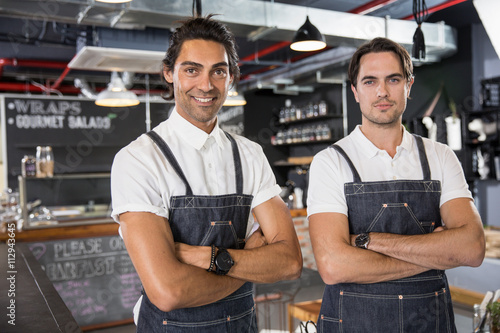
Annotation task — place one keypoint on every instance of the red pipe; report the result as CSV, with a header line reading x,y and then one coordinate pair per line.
x,y
267,50
30,63
23,87
370,6
60,78
294,59
437,8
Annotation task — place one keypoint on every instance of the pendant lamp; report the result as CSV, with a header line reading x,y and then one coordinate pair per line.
x,y
308,38
234,98
116,95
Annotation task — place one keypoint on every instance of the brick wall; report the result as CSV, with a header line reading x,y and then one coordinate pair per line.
x,y
302,228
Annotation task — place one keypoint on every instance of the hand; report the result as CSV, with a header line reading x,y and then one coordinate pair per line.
x,y
438,229
255,240
353,239
198,256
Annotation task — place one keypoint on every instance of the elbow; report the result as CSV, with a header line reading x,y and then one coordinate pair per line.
x,y
166,300
478,253
295,269
330,274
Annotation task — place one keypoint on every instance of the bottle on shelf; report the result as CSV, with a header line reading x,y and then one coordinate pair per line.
x,y
322,108
44,162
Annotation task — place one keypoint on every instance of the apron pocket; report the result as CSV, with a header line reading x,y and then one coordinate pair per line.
x,y
409,223
221,234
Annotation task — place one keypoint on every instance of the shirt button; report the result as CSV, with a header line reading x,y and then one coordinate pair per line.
x,y
394,177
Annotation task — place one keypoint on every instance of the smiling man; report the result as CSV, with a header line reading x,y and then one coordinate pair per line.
x,y
184,195
388,211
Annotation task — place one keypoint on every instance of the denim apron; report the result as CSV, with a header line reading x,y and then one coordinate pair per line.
x,y
205,220
420,303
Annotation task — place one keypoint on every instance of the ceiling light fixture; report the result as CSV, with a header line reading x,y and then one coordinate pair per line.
x,y
308,38
116,95
234,98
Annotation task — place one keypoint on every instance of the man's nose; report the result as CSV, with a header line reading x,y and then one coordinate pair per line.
x,y
205,83
382,90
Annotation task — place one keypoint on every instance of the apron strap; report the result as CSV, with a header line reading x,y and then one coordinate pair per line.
x,y
423,157
170,157
355,174
237,164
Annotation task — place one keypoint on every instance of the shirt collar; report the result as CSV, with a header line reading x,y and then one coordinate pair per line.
x,y
192,134
370,150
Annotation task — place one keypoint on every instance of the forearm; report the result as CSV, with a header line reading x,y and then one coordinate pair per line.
x,y
267,264
439,250
347,264
189,287
264,264
339,261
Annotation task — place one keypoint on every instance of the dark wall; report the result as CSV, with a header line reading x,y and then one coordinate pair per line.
x,y
261,123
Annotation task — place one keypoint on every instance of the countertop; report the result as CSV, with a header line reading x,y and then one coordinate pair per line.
x,y
35,306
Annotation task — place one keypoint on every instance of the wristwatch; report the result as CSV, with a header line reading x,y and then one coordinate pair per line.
x,y
223,262
362,240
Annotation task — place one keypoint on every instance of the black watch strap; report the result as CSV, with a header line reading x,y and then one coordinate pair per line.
x,y
212,259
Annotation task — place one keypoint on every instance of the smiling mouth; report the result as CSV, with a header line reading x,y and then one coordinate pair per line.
x,y
204,100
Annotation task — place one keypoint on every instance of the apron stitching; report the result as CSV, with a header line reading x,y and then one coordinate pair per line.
x,y
414,218
377,217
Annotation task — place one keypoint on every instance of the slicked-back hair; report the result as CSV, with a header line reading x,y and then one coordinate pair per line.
x,y
377,45
204,28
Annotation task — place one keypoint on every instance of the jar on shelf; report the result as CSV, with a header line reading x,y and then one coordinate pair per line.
x,y
44,162
28,166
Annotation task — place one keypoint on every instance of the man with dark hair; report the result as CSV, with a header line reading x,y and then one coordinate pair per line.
x,y
389,211
184,194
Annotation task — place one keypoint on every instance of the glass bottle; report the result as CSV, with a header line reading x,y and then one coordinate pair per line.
x,y
323,108
44,161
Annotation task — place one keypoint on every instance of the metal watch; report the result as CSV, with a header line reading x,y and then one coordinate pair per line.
x,y
362,240
223,261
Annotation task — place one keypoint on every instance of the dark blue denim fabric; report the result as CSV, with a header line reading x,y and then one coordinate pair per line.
x,y
205,220
419,303
235,313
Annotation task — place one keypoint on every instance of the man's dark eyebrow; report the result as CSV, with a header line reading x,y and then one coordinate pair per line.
x,y
191,63
390,76
195,64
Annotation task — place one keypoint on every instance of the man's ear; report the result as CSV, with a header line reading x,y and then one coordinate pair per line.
x,y
355,92
410,84
167,74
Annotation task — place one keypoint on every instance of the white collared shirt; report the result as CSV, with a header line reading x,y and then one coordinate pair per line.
x,y
142,180
329,170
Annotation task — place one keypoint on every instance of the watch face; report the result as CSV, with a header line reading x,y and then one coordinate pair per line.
x,y
362,240
224,261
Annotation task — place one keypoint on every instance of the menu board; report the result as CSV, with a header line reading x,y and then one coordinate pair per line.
x,y
94,276
84,137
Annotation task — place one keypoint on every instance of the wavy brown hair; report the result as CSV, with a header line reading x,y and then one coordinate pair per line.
x,y
204,28
376,45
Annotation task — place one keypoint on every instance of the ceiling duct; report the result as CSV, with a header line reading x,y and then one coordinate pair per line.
x,y
243,17
116,59
343,32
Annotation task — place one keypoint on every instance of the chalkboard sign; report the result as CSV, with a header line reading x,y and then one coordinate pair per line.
x,y
94,277
84,137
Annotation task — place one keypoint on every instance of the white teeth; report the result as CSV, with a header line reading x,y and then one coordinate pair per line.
x,y
203,100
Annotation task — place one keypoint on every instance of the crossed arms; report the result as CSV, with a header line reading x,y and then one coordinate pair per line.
x,y
174,275
392,256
